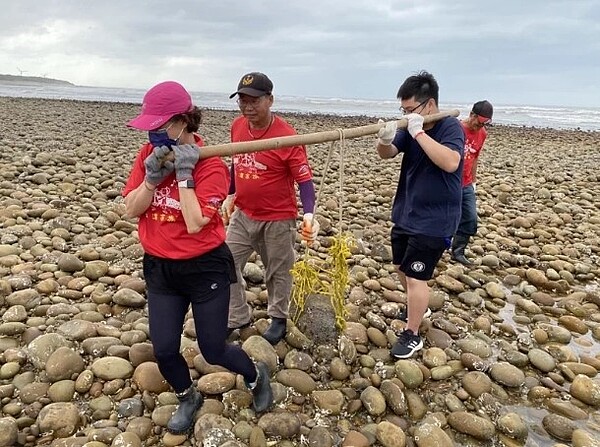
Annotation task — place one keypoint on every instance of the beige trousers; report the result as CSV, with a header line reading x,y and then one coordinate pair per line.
x,y
274,242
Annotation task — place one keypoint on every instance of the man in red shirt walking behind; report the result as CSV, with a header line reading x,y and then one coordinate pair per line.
x,y
475,135
263,191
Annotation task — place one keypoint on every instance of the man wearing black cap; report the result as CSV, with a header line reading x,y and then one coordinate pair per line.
x,y
263,194
475,135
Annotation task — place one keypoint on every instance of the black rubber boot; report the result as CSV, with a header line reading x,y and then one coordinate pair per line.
x,y
183,418
276,330
459,244
262,392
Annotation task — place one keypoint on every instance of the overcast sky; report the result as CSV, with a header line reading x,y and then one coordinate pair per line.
x,y
544,52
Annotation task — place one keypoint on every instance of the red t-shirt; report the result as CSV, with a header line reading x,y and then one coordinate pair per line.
x,y
161,227
264,181
474,140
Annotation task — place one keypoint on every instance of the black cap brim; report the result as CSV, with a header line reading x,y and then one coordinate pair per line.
x,y
250,92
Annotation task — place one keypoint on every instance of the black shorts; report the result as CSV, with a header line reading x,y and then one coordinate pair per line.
x,y
416,254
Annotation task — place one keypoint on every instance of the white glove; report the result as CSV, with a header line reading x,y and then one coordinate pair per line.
x,y
415,124
387,133
310,228
227,208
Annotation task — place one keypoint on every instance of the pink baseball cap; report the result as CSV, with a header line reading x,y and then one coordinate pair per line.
x,y
161,103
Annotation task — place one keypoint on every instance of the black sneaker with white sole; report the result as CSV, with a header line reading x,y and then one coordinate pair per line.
x,y
403,315
408,343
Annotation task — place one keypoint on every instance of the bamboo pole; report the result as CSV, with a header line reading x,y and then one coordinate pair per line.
x,y
221,150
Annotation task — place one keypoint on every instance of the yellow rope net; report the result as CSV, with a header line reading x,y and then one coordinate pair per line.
x,y
331,277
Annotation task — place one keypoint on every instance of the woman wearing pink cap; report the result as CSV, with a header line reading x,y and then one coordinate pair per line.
x,y
186,262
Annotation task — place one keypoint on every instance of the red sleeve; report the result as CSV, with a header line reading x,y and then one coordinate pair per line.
x,y
298,163
297,159
212,184
138,171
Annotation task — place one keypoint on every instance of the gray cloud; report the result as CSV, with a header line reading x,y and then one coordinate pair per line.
x,y
537,52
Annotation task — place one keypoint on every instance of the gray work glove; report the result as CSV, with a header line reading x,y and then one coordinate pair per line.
x,y
156,168
186,157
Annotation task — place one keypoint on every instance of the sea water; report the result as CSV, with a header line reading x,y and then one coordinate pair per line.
x,y
555,117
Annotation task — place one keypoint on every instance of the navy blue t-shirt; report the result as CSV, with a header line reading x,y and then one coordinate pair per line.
x,y
428,199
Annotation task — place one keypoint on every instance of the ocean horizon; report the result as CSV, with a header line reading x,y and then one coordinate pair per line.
x,y
555,117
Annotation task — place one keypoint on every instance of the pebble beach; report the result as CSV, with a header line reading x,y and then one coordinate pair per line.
x,y
512,348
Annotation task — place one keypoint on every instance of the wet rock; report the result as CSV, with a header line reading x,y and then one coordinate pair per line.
x,y
373,401
513,426
9,431
331,401
394,397
70,263
474,345
297,379
42,347
430,435
148,377
60,418
320,437
409,372
507,374
261,350
582,438
390,435
541,360
109,368
63,364
216,383
129,298
586,390
284,424
355,439
558,426
476,383
471,424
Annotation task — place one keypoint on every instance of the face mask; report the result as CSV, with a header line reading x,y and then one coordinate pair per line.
x,y
160,138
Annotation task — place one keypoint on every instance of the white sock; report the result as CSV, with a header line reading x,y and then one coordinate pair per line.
x,y
252,385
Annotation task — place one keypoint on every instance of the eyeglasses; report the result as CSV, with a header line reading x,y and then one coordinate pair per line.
x,y
249,102
414,109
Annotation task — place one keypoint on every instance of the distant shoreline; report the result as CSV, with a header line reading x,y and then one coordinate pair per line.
x,y
31,80
352,119
587,119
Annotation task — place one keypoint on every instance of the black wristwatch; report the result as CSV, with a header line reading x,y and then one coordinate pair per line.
x,y
186,183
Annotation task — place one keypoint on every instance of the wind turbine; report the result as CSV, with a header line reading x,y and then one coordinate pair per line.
x,y
21,71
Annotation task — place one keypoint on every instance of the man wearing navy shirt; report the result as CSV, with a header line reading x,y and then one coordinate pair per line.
x,y
427,205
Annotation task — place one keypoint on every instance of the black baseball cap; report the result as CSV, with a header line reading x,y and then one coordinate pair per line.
x,y
254,84
484,110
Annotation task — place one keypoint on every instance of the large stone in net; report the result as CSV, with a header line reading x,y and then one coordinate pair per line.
x,y
317,321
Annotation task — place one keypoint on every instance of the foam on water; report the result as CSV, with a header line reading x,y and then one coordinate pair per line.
x,y
513,115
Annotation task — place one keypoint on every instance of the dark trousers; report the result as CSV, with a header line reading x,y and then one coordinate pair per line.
x,y
468,217
203,282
